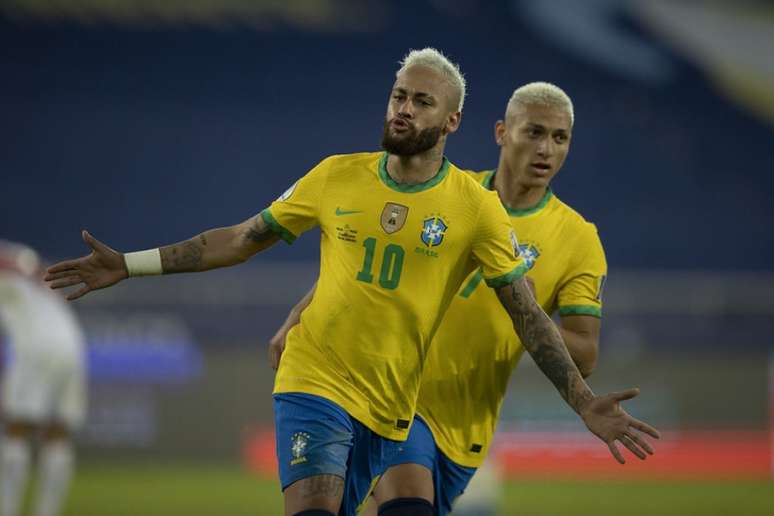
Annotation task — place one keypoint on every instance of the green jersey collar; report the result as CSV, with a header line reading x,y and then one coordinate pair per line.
x,y
421,187
519,212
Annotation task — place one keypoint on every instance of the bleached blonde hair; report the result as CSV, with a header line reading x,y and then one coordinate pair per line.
x,y
434,59
541,94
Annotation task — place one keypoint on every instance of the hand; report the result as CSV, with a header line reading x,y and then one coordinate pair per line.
x,y
606,419
102,268
277,344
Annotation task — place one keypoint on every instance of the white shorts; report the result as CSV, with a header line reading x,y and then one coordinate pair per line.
x,y
45,389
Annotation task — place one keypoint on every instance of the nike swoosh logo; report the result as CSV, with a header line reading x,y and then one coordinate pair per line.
x,y
340,212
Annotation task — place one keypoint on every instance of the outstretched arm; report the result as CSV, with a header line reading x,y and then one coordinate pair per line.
x,y
277,343
602,415
215,248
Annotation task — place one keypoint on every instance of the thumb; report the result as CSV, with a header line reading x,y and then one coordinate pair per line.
x,y
625,395
92,242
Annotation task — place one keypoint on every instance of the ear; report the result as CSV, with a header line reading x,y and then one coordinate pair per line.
x,y
499,132
453,122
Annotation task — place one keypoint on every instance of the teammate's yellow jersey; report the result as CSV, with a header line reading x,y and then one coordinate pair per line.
x,y
476,347
392,258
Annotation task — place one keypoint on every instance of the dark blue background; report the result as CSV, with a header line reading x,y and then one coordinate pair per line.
x,y
148,136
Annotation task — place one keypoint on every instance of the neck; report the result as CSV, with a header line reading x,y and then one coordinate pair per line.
x,y
515,194
413,170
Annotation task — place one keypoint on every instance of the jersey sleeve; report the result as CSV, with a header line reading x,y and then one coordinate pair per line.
x,y
581,294
495,247
297,210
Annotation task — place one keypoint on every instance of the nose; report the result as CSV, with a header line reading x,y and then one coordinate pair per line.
x,y
406,109
545,148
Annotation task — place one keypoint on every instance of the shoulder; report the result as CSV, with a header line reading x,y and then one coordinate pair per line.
x,y
469,183
574,222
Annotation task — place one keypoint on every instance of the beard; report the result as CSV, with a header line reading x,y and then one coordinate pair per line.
x,y
411,142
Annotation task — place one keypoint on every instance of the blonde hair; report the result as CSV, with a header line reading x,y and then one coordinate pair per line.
x,y
541,94
434,59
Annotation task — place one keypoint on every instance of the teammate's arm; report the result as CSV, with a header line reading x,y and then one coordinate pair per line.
x,y
277,343
581,336
541,338
215,248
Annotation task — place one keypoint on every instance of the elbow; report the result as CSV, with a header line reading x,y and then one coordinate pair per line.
x,y
588,363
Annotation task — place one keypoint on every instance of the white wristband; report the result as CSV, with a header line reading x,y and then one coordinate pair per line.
x,y
143,263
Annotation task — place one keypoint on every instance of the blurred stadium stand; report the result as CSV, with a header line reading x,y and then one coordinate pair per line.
x,y
146,122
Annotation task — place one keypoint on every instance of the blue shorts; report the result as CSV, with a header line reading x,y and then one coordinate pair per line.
x,y
450,478
317,437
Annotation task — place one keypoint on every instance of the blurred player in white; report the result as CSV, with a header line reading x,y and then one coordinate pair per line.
x,y
43,398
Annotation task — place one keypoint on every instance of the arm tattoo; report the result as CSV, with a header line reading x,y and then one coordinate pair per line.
x,y
543,341
329,486
183,257
260,233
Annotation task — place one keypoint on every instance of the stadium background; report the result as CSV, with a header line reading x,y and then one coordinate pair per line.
x,y
146,122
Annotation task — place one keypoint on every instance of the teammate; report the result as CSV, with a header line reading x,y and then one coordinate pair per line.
x,y
401,230
475,349
43,384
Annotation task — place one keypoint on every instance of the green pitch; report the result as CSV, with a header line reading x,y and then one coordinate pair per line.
x,y
133,490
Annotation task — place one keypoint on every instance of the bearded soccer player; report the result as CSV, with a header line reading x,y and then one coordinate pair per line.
x,y
475,349
401,230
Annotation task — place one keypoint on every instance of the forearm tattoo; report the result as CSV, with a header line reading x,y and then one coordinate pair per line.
x,y
183,257
542,340
329,486
260,233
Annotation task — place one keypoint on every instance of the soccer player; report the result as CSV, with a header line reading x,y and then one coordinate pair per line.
x,y
43,384
475,349
401,230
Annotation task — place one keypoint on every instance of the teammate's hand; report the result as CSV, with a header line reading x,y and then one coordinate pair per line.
x,y
277,343
605,418
102,268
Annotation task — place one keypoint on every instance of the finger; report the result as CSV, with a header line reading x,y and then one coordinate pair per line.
x,y
80,293
625,395
63,266
616,452
644,427
60,275
66,282
632,447
642,443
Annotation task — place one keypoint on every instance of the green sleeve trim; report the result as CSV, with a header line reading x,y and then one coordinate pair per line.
x,y
509,278
594,311
472,284
275,226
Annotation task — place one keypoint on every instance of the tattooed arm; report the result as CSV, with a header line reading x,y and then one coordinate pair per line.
x,y
544,343
220,247
603,415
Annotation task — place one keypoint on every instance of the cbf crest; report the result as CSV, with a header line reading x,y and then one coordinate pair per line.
x,y
393,217
433,231
298,444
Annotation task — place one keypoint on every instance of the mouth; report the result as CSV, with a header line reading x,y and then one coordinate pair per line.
x,y
399,125
541,168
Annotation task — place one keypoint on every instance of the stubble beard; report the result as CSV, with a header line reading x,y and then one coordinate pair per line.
x,y
411,144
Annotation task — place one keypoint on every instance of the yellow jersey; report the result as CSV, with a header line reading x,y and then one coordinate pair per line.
x,y
476,347
392,257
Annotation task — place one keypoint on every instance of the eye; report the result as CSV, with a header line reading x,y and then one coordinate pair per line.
x,y
560,138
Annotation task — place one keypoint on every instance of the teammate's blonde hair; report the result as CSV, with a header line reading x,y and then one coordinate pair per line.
x,y
541,94
434,59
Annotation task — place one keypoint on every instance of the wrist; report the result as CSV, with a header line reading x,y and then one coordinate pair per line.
x,y
143,263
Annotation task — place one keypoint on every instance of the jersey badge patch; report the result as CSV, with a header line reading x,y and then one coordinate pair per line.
x,y
433,231
299,442
393,217
287,193
529,253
